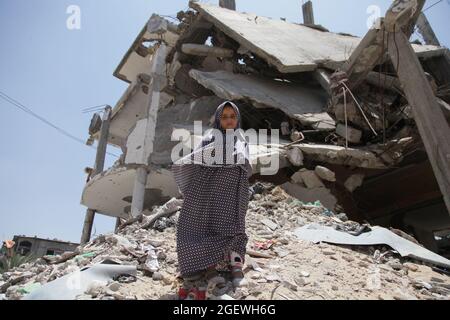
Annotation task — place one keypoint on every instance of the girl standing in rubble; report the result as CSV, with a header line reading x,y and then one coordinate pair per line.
x,y
211,225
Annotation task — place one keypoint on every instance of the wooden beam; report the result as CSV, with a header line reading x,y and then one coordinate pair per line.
x,y
428,115
426,31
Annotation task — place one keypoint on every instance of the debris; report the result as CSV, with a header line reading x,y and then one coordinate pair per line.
x,y
157,276
78,282
269,223
325,173
151,263
295,156
114,286
353,182
281,253
310,179
304,274
378,235
351,134
411,266
28,288
342,216
264,245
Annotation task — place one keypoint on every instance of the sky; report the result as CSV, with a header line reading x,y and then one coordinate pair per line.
x,y
57,72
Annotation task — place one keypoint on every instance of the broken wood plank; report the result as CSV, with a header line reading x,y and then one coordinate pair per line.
x,y
428,115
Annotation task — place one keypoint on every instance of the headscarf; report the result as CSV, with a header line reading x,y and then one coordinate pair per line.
x,y
231,145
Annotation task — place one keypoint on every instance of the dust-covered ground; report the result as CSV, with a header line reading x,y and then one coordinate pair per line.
x,y
277,266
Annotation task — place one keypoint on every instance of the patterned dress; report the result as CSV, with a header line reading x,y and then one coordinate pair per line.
x,y
212,218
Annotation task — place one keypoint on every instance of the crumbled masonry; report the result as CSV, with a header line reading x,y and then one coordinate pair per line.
x,y
278,265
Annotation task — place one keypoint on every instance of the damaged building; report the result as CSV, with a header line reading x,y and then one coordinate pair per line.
x,y
351,132
39,247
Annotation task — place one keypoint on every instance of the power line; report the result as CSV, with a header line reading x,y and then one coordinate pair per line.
x,y
431,6
94,108
22,107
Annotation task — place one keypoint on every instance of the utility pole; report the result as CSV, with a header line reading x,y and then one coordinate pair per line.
x,y
98,168
308,13
228,4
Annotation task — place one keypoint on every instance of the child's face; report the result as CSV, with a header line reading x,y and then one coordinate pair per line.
x,y
228,120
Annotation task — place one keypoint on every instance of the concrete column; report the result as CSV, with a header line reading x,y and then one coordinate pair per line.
x,y
137,202
308,13
87,226
228,4
98,168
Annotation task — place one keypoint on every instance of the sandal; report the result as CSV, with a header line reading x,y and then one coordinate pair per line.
x,y
211,274
186,290
236,264
196,294
238,276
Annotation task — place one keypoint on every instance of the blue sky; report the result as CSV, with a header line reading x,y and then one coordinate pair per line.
x,y
58,72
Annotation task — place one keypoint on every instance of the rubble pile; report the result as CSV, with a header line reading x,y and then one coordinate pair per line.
x,y
278,265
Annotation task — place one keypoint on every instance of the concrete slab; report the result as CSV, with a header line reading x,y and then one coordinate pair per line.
x,y
293,100
289,47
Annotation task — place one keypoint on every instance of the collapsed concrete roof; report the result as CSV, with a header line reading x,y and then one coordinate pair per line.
x,y
293,99
290,47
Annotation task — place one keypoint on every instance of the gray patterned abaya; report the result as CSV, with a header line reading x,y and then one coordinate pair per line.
x,y
212,218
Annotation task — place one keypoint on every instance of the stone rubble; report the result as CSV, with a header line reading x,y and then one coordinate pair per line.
x,y
278,265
